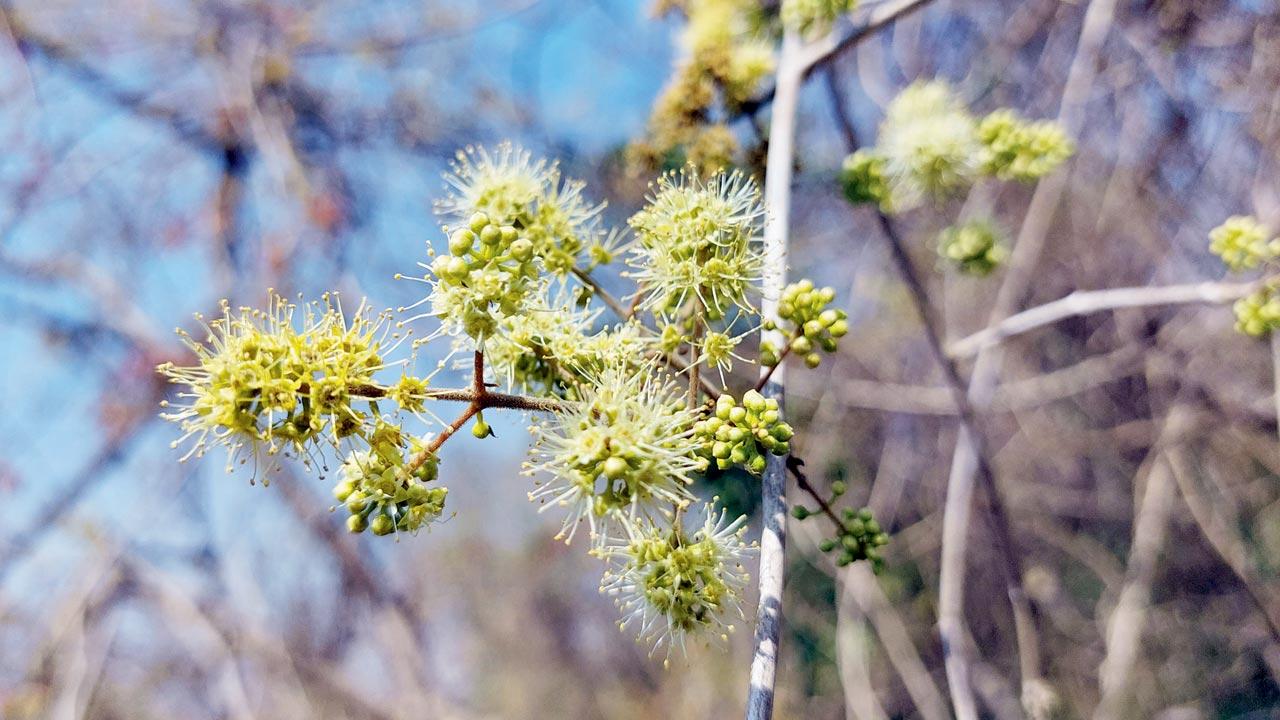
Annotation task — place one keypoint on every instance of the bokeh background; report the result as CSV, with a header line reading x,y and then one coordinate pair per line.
x,y
159,155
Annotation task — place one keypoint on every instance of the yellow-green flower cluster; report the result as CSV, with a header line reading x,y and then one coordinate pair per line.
x,y
858,538
929,143
262,385
973,246
673,585
488,275
379,491
1258,313
807,322
624,453
551,349
728,55
1243,243
864,181
513,189
931,146
814,17
697,245
742,434
1018,149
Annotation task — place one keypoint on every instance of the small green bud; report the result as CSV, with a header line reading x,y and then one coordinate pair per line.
x,y
478,222
802,345
812,360
827,545
382,525
615,467
838,487
357,523
481,429
800,512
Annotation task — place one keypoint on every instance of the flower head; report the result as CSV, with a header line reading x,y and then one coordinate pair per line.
x,y
697,243
513,189
1242,243
929,142
974,246
1258,313
1015,149
622,453
381,493
261,385
673,585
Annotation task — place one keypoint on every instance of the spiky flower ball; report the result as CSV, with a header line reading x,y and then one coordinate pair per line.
x,y
743,434
550,349
673,585
512,188
1258,314
623,453
813,17
262,386
697,244
1017,149
929,142
864,181
808,323
1243,243
385,493
974,247
488,275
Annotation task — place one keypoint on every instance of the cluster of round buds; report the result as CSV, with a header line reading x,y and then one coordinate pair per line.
x,y
264,386
808,322
1243,243
512,188
812,17
974,247
488,274
864,181
673,585
742,434
623,452
1258,313
859,536
384,493
697,245
1018,149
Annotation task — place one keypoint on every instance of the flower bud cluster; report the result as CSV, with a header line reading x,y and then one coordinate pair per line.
x,y
379,491
624,451
742,434
672,584
974,247
263,385
808,322
864,181
1258,313
931,146
512,189
813,17
697,244
728,56
1017,149
488,275
858,538
1243,243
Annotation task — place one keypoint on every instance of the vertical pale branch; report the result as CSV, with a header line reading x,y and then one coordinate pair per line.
x,y
957,509
777,197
